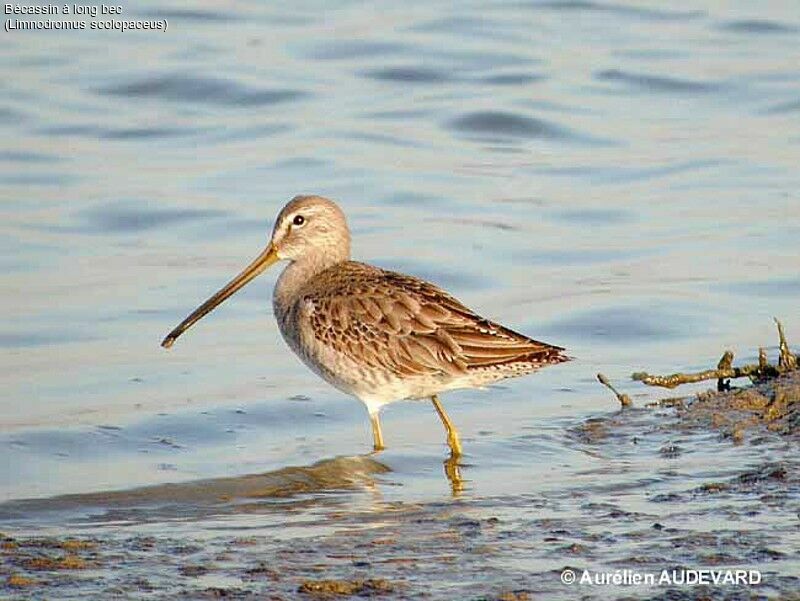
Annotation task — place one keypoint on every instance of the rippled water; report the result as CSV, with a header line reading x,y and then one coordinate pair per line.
x,y
617,178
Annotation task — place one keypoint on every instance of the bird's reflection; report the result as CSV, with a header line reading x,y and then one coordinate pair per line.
x,y
452,469
252,493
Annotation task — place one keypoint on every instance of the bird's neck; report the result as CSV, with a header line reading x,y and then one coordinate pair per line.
x,y
295,276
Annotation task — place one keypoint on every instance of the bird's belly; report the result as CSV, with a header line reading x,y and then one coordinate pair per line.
x,y
372,385
362,381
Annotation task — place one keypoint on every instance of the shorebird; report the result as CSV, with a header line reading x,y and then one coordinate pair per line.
x,y
375,334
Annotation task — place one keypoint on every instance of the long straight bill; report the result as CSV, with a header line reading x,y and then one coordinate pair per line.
x,y
261,262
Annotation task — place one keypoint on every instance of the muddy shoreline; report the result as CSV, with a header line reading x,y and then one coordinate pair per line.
x,y
327,530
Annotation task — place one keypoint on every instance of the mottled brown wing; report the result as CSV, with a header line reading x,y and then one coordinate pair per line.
x,y
410,327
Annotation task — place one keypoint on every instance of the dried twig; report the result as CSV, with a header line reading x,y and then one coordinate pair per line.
x,y
673,380
725,364
786,361
623,398
725,369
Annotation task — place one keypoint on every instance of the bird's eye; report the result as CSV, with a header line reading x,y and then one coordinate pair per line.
x,y
298,220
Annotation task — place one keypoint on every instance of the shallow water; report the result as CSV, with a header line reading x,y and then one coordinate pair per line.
x,y
618,178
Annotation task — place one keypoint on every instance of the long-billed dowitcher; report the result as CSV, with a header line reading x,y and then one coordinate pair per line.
x,y
378,335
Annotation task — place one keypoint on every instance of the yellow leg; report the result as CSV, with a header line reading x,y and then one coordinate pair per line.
x,y
452,469
377,435
452,434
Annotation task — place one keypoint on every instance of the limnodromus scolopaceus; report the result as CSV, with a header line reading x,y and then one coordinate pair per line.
x,y
375,334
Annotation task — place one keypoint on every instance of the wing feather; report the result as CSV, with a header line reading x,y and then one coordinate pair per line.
x,y
410,327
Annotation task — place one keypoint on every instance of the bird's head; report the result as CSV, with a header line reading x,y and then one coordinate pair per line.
x,y
311,227
308,228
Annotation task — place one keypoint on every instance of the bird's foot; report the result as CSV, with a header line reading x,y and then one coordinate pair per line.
x,y
452,469
454,443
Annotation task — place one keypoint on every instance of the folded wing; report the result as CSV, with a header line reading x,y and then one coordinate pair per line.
x,y
411,327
